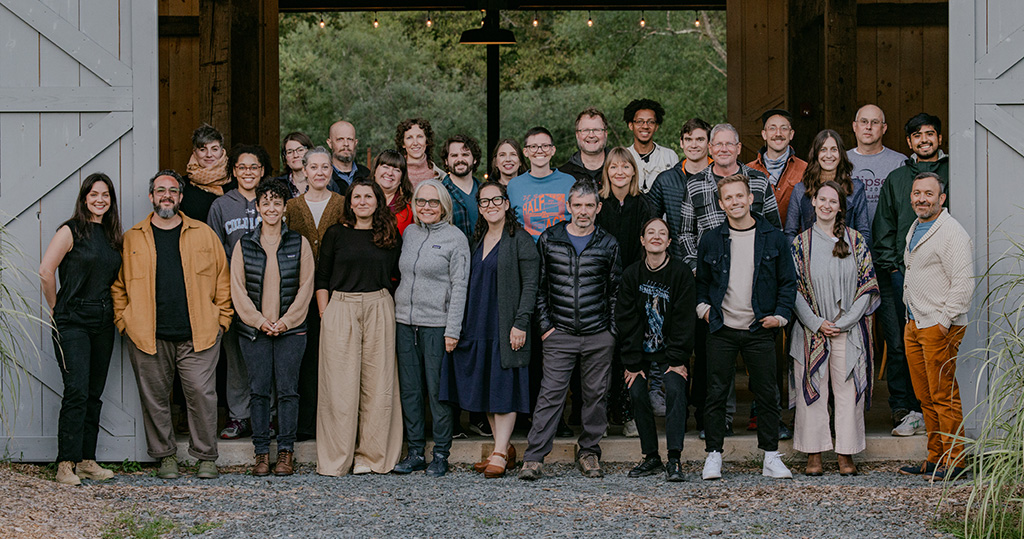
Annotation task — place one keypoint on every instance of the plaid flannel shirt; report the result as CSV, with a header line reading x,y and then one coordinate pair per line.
x,y
460,215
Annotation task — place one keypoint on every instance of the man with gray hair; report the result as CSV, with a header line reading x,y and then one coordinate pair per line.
x,y
579,276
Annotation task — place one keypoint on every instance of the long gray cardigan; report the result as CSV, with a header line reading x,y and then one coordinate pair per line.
x,y
518,270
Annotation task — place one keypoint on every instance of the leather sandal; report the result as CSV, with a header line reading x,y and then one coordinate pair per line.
x,y
814,467
510,460
494,471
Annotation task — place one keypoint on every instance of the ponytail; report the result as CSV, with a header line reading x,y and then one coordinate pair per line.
x,y
841,248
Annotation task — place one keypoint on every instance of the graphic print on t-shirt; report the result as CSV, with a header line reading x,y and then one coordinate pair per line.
x,y
543,210
655,303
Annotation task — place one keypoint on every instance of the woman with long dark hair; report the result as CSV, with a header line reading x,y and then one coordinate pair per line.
x,y
828,162
390,173
507,161
87,252
831,346
359,417
487,372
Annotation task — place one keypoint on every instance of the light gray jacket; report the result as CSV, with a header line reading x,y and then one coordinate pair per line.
x,y
435,275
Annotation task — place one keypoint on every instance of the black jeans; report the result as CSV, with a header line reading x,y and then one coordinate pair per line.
x,y
309,373
83,341
892,316
758,348
273,362
420,352
675,411
699,373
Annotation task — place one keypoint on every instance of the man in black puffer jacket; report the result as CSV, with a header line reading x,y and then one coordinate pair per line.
x,y
579,276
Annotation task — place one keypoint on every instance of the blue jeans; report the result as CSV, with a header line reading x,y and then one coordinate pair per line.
x,y
273,362
420,351
892,316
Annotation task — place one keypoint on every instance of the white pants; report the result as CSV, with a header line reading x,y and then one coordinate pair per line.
x,y
811,433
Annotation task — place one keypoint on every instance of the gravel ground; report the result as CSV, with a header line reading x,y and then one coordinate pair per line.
x,y
879,503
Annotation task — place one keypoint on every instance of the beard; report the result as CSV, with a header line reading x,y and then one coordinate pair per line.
x,y
343,158
165,213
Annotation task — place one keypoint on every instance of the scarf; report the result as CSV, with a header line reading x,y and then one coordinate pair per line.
x,y
211,180
816,345
776,166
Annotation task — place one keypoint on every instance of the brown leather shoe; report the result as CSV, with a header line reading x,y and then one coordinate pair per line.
x,y
262,466
846,465
285,463
814,467
494,471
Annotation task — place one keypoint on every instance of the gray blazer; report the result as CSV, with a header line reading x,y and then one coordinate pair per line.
x,y
518,269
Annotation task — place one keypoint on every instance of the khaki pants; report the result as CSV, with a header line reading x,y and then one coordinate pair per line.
x,y
154,375
811,433
359,414
931,357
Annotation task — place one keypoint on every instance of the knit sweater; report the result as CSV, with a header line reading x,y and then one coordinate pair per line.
x,y
435,274
940,274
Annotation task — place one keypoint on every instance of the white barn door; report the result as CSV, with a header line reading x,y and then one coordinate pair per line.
x,y
78,94
986,135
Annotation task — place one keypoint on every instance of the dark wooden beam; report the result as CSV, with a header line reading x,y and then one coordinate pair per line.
x,y
473,5
178,26
893,14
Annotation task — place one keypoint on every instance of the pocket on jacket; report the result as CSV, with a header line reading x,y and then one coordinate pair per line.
x,y
204,261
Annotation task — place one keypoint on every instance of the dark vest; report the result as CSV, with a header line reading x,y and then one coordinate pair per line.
x,y
289,256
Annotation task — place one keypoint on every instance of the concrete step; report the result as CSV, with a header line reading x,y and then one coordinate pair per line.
x,y
739,448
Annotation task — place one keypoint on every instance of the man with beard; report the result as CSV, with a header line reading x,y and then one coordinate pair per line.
x,y
342,141
461,155
644,117
893,218
172,303
777,158
591,138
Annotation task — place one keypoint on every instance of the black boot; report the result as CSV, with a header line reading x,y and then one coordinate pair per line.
x,y
413,462
649,466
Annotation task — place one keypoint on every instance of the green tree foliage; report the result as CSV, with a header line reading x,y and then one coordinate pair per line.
x,y
376,77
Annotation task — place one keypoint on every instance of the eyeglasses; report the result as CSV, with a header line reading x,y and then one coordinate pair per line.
x,y
301,150
164,190
250,168
432,202
495,201
778,129
873,123
720,145
538,147
646,122
592,130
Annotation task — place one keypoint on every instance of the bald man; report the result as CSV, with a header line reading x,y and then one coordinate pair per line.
x,y
342,141
872,161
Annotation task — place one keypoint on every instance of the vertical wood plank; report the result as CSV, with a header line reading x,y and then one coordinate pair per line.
x,y
889,69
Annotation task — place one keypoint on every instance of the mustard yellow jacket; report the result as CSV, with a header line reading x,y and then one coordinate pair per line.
x,y
207,285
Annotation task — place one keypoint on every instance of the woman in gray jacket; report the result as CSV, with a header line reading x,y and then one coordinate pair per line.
x,y
429,304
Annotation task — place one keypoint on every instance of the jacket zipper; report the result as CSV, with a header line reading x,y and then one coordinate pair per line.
x,y
412,287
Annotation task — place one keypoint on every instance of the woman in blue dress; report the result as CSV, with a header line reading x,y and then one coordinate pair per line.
x,y
487,372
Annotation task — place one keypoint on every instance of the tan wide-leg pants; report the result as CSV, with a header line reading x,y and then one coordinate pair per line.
x,y
811,433
359,414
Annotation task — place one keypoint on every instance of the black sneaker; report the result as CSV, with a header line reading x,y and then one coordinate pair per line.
x,y
438,466
728,431
458,433
674,471
951,474
413,462
927,468
563,430
481,428
784,432
649,466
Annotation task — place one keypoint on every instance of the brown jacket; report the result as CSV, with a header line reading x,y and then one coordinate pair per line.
x,y
298,218
792,174
207,285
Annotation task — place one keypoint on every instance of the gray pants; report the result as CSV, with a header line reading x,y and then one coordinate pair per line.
x,y
560,352
237,382
154,375
420,352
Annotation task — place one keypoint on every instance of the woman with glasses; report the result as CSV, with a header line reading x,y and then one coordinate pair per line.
x,y
293,149
488,370
507,161
390,173
429,305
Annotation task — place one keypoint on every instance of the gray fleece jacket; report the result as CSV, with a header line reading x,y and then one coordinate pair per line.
x,y
435,275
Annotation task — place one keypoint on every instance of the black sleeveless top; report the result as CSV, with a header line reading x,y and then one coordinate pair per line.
x,y
88,269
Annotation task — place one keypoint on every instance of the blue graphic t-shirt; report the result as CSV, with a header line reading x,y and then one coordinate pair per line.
x,y
540,202
655,296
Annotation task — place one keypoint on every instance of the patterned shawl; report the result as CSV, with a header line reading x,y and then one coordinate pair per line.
x,y
211,179
816,345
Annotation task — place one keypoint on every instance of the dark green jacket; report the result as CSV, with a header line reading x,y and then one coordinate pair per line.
x,y
895,214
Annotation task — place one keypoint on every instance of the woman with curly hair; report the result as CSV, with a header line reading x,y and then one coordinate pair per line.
x,y
359,416
415,140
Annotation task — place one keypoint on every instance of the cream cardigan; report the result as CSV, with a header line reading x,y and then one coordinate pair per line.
x,y
940,274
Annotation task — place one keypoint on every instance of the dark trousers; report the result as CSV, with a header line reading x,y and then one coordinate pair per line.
x,y
273,363
699,372
892,317
619,406
675,411
758,348
560,353
420,352
308,373
83,342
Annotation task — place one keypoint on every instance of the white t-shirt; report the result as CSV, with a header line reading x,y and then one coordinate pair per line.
x,y
317,209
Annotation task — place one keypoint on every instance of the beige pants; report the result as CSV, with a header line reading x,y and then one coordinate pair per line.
x,y
359,414
811,433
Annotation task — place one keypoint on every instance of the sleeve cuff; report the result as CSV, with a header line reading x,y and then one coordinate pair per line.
x,y
702,309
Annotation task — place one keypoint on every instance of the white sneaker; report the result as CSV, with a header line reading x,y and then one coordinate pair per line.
x,y
913,423
713,466
629,429
774,467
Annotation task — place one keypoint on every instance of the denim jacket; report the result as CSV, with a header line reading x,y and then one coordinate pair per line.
x,y
774,273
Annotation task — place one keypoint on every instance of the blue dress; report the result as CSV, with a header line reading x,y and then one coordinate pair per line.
x,y
472,376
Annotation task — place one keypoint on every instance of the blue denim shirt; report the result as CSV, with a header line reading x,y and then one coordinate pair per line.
x,y
774,273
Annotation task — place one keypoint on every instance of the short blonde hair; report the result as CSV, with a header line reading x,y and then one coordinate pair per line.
x,y
619,154
442,195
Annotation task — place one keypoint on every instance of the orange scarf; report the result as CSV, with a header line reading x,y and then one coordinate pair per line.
x,y
209,179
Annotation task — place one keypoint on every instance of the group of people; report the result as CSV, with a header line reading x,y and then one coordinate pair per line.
x,y
351,303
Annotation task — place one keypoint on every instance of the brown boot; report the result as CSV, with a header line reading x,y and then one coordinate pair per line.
x,y
846,465
262,467
66,473
88,469
285,463
813,465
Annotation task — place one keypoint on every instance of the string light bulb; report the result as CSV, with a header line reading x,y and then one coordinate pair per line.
x,y
643,23
375,22
696,19
590,21
535,20
322,23
429,21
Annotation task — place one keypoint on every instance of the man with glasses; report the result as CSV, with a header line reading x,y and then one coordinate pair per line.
x,y
777,158
591,139
644,117
342,141
872,162
540,195
172,303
